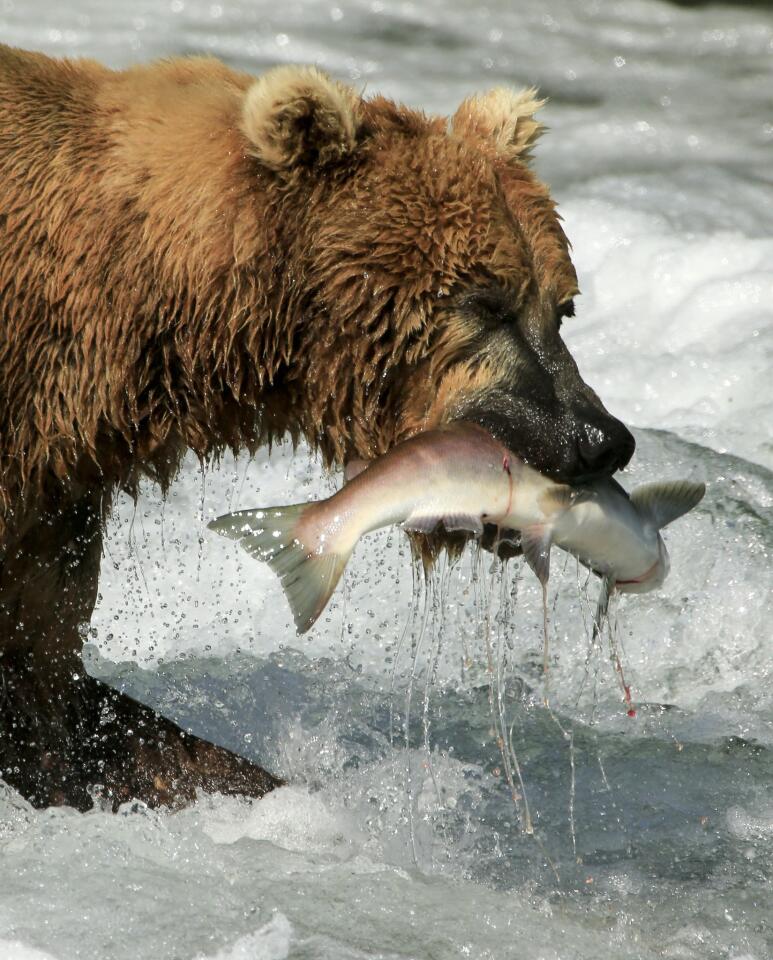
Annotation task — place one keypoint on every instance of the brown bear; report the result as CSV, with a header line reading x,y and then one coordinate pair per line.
x,y
192,258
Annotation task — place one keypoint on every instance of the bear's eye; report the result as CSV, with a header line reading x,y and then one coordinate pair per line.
x,y
491,305
564,310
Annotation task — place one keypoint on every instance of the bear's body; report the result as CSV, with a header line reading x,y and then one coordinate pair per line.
x,y
194,259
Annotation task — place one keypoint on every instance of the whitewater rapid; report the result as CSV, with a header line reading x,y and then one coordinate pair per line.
x,y
654,834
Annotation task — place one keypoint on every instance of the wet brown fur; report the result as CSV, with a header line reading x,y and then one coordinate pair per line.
x,y
162,291
193,259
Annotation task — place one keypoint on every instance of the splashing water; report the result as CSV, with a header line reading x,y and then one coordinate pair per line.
x,y
659,826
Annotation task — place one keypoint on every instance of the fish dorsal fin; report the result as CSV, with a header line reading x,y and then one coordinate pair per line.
x,y
463,521
662,503
560,497
428,523
421,523
354,468
557,498
535,543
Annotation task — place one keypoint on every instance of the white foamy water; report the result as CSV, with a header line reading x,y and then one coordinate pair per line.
x,y
659,844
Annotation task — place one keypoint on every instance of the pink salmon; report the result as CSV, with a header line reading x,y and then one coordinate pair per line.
x,y
461,477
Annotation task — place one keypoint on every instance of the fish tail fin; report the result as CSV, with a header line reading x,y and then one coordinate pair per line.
x,y
308,578
309,583
662,503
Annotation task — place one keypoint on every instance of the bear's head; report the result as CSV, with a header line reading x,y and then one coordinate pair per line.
x,y
425,276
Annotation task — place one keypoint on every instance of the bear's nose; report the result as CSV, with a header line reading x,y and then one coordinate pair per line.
x,y
604,448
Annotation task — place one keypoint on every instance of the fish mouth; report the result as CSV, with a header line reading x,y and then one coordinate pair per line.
x,y
649,580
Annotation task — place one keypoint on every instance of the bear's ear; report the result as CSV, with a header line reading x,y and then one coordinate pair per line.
x,y
299,117
504,117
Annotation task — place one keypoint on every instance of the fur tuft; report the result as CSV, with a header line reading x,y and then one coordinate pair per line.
x,y
299,117
504,117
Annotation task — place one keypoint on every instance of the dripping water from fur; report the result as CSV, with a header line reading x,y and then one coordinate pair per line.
x,y
485,590
502,732
417,644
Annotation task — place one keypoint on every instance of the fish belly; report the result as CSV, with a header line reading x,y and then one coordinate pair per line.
x,y
459,504
459,478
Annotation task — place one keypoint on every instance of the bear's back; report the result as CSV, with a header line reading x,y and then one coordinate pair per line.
x,y
120,194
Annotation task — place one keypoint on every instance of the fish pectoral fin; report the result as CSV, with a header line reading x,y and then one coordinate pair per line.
x,y
559,497
463,521
535,543
421,524
602,605
662,503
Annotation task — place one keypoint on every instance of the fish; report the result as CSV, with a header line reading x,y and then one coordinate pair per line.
x,y
615,534
460,477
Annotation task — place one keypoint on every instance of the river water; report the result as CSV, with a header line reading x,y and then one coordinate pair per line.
x,y
399,836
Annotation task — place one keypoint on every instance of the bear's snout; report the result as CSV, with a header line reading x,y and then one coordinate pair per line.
x,y
604,446
569,447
